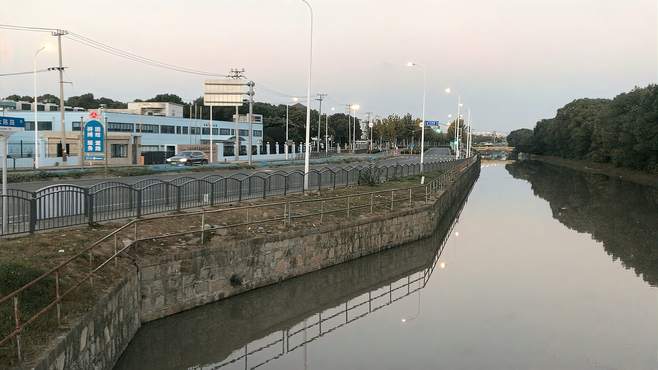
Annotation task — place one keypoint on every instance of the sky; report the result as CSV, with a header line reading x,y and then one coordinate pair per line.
x,y
512,61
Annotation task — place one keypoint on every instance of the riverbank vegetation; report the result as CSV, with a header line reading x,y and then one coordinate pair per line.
x,y
622,131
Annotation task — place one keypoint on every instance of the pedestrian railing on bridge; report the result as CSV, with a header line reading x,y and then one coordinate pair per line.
x,y
69,205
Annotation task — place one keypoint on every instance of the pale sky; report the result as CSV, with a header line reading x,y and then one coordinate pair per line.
x,y
513,61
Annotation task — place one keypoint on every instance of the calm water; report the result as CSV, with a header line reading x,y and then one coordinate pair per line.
x,y
544,269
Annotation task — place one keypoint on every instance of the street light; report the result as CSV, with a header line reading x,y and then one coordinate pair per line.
x,y
354,107
287,107
422,131
457,135
46,47
308,98
326,131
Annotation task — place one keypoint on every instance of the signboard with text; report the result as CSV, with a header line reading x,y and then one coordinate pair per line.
x,y
9,125
432,123
94,140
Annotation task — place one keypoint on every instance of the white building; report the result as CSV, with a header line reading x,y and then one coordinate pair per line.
x,y
162,128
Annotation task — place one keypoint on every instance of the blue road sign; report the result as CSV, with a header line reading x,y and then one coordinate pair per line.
x,y
432,123
11,124
94,140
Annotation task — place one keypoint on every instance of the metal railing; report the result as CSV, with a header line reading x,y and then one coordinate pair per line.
x,y
107,249
70,205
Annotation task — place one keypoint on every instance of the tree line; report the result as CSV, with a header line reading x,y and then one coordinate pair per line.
x,y
622,131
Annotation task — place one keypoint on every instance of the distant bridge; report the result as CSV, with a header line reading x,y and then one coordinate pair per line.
x,y
488,149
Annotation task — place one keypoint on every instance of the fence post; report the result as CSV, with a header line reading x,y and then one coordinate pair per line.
x,y
334,175
426,194
285,185
348,206
33,213
321,211
203,225
139,204
265,180
372,196
240,191
212,194
410,201
289,213
392,200
89,205
178,197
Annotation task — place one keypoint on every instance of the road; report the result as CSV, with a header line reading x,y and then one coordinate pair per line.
x,y
433,154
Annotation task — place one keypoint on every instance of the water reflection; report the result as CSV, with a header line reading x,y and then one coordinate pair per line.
x,y
622,216
261,326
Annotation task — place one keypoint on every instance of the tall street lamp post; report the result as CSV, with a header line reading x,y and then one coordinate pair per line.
x,y
353,107
422,123
326,132
308,98
457,123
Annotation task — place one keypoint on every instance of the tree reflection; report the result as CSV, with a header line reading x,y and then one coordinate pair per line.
x,y
622,216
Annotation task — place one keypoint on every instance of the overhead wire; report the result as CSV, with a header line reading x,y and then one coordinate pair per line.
x,y
108,49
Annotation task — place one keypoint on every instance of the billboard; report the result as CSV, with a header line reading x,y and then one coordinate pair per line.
x,y
224,93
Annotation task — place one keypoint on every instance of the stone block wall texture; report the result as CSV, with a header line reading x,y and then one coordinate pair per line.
x,y
223,268
97,340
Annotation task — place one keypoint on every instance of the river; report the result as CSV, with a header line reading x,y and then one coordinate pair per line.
x,y
545,268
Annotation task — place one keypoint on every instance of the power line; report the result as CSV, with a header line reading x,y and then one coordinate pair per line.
x,y
136,58
24,73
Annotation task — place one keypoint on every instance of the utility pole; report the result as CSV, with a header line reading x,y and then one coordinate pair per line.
x,y
348,108
59,34
210,134
320,98
251,85
370,127
237,74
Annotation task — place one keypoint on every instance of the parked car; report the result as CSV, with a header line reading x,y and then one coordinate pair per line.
x,y
188,158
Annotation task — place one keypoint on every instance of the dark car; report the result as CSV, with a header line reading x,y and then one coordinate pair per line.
x,y
188,158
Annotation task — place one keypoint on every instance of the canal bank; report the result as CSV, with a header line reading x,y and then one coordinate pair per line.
x,y
607,169
546,268
165,286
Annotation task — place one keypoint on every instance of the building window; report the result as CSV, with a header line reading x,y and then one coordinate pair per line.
x,y
244,132
165,129
205,131
196,130
147,129
179,130
258,133
149,148
215,131
185,130
119,150
75,125
225,131
119,127
43,126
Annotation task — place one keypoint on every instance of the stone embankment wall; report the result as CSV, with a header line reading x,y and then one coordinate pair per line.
x,y
223,268
97,340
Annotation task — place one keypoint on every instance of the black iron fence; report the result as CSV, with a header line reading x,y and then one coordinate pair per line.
x,y
69,205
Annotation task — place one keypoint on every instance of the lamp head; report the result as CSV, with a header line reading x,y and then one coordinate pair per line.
x,y
448,90
295,99
410,64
